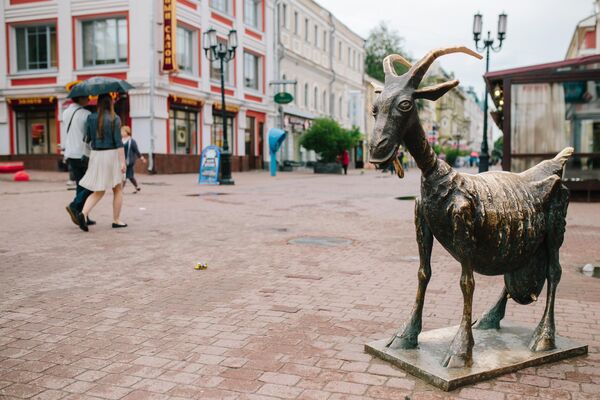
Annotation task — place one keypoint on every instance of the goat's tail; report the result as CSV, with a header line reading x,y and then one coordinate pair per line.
x,y
548,168
564,155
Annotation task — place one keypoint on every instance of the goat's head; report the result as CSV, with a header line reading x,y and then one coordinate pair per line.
x,y
394,109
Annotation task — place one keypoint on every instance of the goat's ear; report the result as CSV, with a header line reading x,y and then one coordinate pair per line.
x,y
436,91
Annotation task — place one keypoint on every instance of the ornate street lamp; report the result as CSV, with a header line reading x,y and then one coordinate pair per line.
x,y
224,52
488,43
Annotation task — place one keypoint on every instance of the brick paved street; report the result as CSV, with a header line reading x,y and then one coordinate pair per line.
x,y
124,315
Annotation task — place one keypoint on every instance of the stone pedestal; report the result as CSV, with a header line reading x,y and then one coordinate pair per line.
x,y
496,352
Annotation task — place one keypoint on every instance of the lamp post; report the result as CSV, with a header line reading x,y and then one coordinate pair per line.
x,y
224,52
488,43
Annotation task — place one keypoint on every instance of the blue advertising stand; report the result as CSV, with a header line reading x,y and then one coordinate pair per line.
x,y
276,138
209,165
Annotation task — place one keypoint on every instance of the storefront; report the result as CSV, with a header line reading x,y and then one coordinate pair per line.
x,y
542,109
254,139
296,125
185,135
34,131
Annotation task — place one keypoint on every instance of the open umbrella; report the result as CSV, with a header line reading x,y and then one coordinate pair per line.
x,y
99,85
474,154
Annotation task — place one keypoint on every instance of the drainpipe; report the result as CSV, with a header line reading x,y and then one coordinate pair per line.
x,y
331,57
152,86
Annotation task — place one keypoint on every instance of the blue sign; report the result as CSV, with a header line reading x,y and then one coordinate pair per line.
x,y
209,165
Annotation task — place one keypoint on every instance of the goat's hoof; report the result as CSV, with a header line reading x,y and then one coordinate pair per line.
x,y
541,343
402,342
487,322
457,360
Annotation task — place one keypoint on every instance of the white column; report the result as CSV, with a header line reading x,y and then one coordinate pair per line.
x,y
65,34
241,133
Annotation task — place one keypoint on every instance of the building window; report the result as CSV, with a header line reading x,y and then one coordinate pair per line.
x,y
324,102
324,40
104,41
316,36
251,71
223,6
316,99
252,13
296,27
185,49
284,16
183,126
35,130
340,107
306,95
340,51
349,60
306,29
217,130
215,69
36,47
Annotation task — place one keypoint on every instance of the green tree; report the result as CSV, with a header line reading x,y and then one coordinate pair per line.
x,y
381,42
328,139
498,150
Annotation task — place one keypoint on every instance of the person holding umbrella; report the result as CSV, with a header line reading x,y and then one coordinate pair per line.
x,y
107,161
107,158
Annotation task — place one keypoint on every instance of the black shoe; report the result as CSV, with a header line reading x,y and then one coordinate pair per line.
x,y
115,225
90,222
82,222
73,214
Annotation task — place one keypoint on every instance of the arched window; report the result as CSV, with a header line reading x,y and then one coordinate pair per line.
x,y
340,107
316,99
294,88
306,95
324,102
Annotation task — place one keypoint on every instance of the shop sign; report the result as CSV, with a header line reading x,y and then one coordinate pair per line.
x,y
283,98
32,101
228,107
209,165
185,101
169,36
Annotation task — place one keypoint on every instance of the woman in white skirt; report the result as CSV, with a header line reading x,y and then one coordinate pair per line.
x,y
107,161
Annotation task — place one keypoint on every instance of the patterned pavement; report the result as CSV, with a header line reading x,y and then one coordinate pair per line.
x,y
124,315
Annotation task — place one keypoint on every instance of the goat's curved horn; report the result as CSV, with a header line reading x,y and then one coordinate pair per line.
x,y
388,63
418,71
377,88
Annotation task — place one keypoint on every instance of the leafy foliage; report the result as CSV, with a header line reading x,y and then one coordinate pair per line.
x,y
328,139
381,42
498,150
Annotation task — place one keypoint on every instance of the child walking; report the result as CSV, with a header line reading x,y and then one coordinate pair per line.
x,y
132,153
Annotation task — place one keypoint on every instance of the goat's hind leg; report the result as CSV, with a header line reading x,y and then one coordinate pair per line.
x,y
407,337
491,319
543,336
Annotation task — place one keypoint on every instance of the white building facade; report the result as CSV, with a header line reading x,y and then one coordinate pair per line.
x,y
50,44
326,59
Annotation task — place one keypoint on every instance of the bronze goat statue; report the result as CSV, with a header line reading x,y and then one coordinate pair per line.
x,y
494,223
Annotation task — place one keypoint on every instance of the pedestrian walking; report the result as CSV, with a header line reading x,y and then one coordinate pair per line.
x,y
77,153
132,153
107,161
345,161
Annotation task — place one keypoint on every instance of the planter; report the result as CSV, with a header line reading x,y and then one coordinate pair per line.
x,y
327,168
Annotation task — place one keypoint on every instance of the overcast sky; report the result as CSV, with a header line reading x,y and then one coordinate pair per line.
x,y
538,30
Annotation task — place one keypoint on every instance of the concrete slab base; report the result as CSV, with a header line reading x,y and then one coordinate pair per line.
x,y
496,352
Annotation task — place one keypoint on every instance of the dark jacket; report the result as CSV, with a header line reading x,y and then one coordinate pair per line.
x,y
112,133
132,153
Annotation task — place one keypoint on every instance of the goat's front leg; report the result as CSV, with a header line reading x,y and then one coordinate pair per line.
x,y
407,336
460,353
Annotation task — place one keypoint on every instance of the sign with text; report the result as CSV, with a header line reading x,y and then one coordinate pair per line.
x,y
209,165
169,63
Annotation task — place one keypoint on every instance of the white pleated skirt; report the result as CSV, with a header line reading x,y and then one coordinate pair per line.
x,y
104,171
